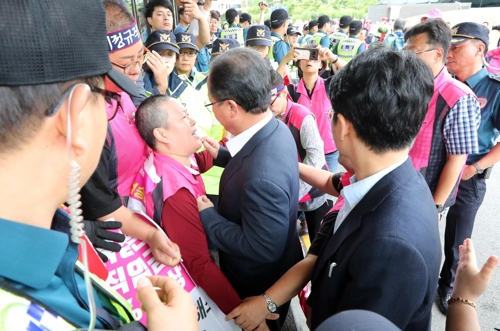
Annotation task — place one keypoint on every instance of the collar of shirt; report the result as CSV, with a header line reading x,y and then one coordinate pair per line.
x,y
170,163
473,80
276,35
28,248
236,143
323,32
357,190
184,77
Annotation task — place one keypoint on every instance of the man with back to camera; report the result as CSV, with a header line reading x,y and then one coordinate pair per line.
x,y
384,252
255,229
348,48
469,43
313,28
279,24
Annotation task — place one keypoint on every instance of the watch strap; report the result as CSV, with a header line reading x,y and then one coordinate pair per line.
x,y
478,168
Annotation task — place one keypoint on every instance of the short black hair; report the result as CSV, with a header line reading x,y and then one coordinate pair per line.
x,y
276,78
268,24
181,11
149,116
231,15
23,109
385,95
117,15
242,75
214,15
438,34
150,7
400,24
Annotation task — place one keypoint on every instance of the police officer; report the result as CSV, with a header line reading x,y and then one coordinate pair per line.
x,y
313,28
321,37
342,32
220,46
465,59
279,24
348,48
232,28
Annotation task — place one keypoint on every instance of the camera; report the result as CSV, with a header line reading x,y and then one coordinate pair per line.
x,y
495,27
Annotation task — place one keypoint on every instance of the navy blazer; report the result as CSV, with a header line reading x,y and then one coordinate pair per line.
x,y
385,256
258,197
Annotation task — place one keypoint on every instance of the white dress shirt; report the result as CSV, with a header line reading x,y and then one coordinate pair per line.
x,y
236,143
356,191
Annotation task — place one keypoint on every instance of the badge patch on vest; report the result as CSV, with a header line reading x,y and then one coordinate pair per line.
x,y
482,102
347,48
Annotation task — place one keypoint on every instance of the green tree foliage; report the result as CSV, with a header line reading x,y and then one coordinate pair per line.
x,y
312,9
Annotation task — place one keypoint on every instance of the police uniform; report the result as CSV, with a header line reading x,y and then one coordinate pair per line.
x,y
461,216
336,37
348,48
220,46
234,31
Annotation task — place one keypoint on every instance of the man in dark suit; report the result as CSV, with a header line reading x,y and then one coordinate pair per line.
x,y
384,253
255,229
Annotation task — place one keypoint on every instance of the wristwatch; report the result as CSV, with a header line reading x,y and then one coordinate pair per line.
x,y
271,306
440,208
479,169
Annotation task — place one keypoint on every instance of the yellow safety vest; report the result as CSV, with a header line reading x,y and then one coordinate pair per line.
x,y
348,48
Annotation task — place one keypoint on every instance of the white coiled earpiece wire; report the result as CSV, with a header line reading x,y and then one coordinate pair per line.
x,y
75,216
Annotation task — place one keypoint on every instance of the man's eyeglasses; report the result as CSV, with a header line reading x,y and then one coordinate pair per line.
x,y
131,66
108,95
275,98
213,103
188,54
424,51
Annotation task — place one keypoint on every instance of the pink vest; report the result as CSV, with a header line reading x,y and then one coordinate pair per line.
x,y
428,153
128,150
293,118
493,58
319,105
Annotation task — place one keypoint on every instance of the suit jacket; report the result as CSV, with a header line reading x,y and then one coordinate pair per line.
x,y
385,256
255,229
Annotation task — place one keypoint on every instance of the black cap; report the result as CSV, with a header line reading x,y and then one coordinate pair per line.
x,y
355,27
200,3
54,46
306,27
246,17
222,45
231,14
186,40
291,31
279,15
161,40
323,19
345,21
312,24
259,35
357,320
468,30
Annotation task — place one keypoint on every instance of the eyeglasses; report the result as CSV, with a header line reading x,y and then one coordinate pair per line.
x,y
108,95
188,54
275,98
129,67
424,51
213,103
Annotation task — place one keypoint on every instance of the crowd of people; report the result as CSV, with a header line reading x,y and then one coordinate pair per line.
x,y
240,129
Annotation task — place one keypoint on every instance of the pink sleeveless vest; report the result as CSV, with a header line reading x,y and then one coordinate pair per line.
x,y
128,150
493,58
428,153
319,105
293,118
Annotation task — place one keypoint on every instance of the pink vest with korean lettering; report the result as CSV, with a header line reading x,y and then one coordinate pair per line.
x,y
428,153
128,150
319,104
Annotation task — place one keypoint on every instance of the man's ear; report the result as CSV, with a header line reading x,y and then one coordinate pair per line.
x,y
342,126
150,21
161,135
70,119
234,109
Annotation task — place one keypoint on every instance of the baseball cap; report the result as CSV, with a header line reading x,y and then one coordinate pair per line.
x,y
186,40
200,3
161,40
323,19
306,27
357,320
55,46
291,31
355,27
259,35
246,17
469,30
279,15
231,14
222,45
345,21
312,24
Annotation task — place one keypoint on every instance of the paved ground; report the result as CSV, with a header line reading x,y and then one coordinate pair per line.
x,y
486,238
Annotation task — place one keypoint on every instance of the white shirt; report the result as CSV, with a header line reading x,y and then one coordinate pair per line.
x,y
236,143
353,193
194,26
